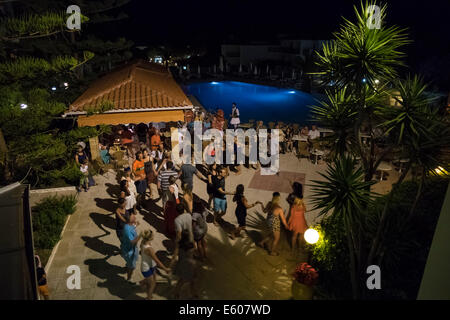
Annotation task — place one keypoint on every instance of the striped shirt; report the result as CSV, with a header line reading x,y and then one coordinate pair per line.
x,y
163,178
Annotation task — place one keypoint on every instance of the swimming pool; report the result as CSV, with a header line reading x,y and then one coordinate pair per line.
x,y
254,101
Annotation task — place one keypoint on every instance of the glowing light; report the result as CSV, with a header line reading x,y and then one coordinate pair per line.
x,y
292,91
364,80
377,81
184,67
66,84
440,171
214,82
23,106
53,88
311,236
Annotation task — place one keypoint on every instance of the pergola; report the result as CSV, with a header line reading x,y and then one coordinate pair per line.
x,y
139,92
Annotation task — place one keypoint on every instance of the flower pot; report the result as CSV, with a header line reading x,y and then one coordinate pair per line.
x,y
301,291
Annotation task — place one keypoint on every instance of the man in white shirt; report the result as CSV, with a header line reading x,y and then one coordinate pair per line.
x,y
183,223
313,133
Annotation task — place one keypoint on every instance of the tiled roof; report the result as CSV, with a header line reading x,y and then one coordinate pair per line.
x,y
138,85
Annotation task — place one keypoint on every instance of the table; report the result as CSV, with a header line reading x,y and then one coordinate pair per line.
x,y
299,138
317,154
384,166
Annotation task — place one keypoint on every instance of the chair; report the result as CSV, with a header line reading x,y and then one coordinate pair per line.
x,y
315,144
302,149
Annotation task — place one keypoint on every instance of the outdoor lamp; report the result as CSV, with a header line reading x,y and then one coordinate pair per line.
x,y
53,88
23,106
311,236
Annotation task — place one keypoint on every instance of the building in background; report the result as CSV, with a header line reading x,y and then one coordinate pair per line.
x,y
284,51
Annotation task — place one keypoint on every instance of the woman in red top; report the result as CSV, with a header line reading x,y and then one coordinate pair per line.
x,y
297,223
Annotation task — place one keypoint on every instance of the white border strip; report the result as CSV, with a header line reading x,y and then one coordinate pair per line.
x,y
53,190
78,113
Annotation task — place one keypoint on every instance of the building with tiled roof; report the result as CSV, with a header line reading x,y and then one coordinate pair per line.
x,y
137,92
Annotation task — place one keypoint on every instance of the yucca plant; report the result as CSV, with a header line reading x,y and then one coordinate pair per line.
x,y
421,133
359,52
363,61
345,195
339,114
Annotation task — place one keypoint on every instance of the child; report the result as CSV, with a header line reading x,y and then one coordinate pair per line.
x,y
149,262
84,181
241,210
42,279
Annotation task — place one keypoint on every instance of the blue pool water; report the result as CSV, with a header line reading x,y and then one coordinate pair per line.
x,y
254,101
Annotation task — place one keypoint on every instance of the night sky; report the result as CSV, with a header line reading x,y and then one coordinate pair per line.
x,y
206,21
210,23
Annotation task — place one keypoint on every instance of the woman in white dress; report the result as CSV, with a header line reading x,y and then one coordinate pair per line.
x,y
235,121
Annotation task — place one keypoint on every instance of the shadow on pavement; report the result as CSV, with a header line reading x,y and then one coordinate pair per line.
x,y
116,284
113,189
107,204
255,274
94,243
102,220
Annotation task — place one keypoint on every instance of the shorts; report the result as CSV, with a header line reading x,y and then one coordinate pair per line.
x,y
43,290
241,218
141,186
220,205
149,272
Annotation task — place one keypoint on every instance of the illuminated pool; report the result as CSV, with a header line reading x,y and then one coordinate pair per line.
x,y
254,101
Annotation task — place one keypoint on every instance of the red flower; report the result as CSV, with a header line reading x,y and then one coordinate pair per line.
x,y
306,274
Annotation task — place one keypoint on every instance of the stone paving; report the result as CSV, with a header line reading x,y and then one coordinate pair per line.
x,y
235,269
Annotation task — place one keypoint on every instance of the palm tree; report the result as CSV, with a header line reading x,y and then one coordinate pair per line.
x,y
345,195
357,59
338,113
420,133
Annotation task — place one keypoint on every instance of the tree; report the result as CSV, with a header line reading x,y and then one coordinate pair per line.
x,y
344,194
360,69
35,150
357,60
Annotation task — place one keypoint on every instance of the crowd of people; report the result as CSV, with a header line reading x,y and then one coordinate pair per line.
x,y
185,214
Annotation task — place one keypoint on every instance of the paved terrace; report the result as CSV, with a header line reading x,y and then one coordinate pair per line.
x,y
235,269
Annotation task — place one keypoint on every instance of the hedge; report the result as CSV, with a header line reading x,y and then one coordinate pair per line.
x,y
49,217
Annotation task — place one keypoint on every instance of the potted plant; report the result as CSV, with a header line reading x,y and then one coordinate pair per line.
x,y
305,277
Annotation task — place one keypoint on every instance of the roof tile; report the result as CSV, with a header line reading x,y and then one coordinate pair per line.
x,y
138,85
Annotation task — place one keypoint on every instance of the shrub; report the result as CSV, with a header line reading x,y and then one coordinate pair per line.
x,y
403,252
406,243
49,216
330,256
